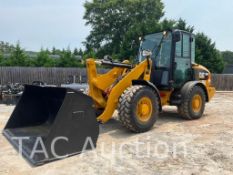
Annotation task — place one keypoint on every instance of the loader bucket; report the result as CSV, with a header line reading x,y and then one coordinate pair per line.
x,y
52,123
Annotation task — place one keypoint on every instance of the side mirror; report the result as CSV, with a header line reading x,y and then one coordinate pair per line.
x,y
176,36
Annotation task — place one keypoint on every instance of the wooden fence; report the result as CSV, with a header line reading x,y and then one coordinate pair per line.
x,y
57,76
54,76
223,82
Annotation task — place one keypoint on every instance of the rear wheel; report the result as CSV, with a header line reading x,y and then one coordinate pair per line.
x,y
138,108
193,104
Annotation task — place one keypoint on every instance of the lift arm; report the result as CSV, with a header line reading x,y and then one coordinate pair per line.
x,y
106,89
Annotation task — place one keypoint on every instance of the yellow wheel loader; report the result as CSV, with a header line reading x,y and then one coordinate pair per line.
x,y
63,119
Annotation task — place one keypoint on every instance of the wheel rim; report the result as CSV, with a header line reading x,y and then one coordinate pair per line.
x,y
196,103
144,109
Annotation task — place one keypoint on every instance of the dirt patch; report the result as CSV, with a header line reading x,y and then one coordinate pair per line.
x,y
173,146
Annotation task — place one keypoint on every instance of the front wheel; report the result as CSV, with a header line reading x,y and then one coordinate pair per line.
x,y
138,108
193,104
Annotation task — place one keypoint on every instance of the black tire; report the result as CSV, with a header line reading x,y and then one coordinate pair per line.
x,y
127,107
186,110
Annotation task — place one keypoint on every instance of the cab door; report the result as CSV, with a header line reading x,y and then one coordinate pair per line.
x,y
182,61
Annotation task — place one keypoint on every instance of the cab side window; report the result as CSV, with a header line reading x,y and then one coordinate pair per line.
x,y
179,48
193,50
183,47
186,46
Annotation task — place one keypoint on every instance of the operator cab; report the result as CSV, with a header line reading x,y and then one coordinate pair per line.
x,y
172,55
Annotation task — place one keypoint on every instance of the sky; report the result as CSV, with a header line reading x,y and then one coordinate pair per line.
x,y
59,23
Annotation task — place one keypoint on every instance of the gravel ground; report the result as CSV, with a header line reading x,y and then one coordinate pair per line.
x,y
173,146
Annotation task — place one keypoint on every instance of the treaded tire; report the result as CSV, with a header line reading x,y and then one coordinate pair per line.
x,y
186,110
128,104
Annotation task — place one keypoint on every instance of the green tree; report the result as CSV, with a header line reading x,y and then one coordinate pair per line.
x,y
2,62
182,25
5,47
89,54
207,54
43,59
18,57
75,52
80,52
115,23
67,59
47,51
53,51
167,24
227,57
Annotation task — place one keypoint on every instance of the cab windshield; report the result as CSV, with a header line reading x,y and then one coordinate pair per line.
x,y
160,54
